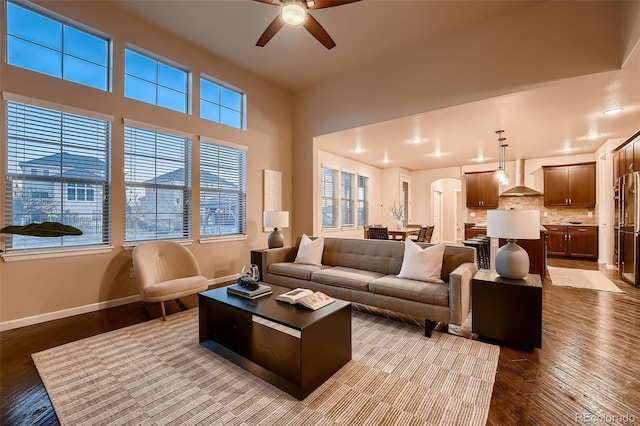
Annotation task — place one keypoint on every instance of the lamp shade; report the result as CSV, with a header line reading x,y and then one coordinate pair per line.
x,y
276,219
514,224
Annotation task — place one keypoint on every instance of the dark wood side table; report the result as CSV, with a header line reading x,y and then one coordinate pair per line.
x,y
508,311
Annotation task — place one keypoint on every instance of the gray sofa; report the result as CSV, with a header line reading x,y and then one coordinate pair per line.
x,y
364,271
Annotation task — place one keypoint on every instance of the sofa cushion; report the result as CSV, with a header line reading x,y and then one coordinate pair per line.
x,y
310,251
340,276
418,291
422,264
293,270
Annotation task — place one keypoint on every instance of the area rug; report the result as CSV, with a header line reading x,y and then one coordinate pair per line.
x,y
581,278
156,373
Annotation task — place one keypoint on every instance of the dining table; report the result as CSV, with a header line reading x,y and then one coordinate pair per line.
x,y
403,233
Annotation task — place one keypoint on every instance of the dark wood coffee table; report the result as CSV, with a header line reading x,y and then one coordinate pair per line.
x,y
289,346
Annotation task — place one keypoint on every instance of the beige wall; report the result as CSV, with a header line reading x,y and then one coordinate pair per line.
x,y
451,72
375,183
37,287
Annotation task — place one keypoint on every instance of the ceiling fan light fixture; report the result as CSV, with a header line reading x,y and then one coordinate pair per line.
x,y
293,13
613,111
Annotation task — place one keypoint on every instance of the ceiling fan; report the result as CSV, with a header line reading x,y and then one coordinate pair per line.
x,y
294,12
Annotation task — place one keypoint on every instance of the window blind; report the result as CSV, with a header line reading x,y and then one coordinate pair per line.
x,y
157,185
363,200
347,199
223,195
329,191
57,170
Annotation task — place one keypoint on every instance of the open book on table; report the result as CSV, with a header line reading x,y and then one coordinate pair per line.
x,y
305,297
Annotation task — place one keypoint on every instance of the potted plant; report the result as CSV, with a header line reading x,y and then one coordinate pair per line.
x,y
397,211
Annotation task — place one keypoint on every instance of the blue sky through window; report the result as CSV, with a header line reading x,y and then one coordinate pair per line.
x,y
149,80
47,46
220,104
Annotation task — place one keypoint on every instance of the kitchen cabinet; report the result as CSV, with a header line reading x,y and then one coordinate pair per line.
x,y
572,241
628,159
472,230
482,190
537,251
572,185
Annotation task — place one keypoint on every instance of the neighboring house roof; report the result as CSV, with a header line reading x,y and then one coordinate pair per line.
x,y
81,174
206,179
66,161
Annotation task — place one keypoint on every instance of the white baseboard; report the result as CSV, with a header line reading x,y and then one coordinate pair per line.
x,y
50,316
64,313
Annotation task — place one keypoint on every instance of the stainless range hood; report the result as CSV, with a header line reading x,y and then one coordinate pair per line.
x,y
520,190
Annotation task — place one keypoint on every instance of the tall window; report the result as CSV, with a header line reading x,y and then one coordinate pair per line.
x,y
363,200
329,190
221,104
57,171
347,199
154,81
45,44
223,196
157,185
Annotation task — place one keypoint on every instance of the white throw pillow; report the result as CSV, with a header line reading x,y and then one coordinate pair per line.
x,y
422,264
310,251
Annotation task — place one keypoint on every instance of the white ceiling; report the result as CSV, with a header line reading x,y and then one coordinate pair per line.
x,y
554,118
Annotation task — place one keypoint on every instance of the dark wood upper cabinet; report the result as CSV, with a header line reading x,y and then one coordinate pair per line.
x,y
616,166
572,185
636,155
482,190
629,160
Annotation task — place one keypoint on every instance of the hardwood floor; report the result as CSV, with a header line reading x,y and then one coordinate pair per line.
x,y
589,364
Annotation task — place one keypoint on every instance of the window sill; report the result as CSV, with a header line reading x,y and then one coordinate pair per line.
x,y
224,239
131,246
51,254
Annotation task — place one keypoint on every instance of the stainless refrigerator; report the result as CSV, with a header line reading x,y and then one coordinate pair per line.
x,y
629,228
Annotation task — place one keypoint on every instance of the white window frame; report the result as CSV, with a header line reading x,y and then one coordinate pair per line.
x,y
364,200
137,191
208,166
333,197
222,84
348,199
65,22
102,197
159,60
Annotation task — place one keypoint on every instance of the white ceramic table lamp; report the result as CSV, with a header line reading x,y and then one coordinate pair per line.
x,y
512,261
275,219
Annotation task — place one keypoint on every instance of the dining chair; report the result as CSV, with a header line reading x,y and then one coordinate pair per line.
x,y
376,233
425,234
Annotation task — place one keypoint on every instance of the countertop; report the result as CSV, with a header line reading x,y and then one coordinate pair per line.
x,y
484,226
568,224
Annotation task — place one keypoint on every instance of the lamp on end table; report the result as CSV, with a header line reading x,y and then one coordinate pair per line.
x,y
275,219
512,261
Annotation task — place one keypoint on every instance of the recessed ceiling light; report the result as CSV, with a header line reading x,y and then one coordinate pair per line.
x,y
593,135
613,111
358,149
416,140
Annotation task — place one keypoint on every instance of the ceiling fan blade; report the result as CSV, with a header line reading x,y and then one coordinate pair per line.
x,y
321,4
318,32
273,2
271,30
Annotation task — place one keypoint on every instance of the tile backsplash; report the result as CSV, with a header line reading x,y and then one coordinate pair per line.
x,y
554,214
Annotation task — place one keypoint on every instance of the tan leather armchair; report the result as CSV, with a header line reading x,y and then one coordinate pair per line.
x,y
166,270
